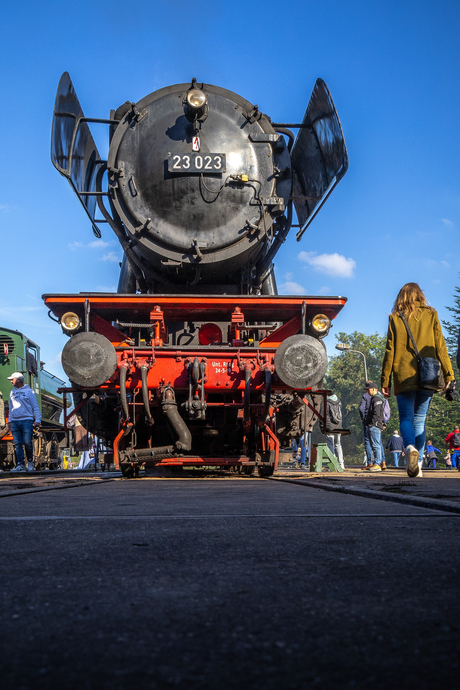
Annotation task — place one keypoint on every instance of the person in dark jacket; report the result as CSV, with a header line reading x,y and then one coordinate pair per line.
x,y
363,409
395,445
375,424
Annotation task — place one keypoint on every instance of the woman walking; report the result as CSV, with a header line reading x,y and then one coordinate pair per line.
x,y
400,361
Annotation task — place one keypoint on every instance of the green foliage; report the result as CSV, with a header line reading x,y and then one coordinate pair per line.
x,y
452,328
345,377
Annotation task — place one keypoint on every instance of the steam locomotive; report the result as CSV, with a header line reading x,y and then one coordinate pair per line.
x,y
196,360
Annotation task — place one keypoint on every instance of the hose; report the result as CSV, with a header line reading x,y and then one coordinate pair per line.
x,y
145,394
247,393
268,391
123,396
169,407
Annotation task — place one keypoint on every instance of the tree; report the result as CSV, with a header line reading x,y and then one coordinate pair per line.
x,y
453,327
345,377
443,415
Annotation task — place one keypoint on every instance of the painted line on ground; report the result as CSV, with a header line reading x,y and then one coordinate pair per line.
x,y
420,502
214,517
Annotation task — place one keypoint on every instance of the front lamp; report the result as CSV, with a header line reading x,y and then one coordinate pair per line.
x,y
70,322
196,99
320,324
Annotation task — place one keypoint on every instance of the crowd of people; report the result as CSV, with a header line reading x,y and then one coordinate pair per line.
x,y
416,364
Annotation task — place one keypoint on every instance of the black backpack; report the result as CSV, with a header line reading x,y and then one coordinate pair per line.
x,y
456,439
334,415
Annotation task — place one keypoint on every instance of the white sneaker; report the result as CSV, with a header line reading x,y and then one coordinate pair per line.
x,y
30,466
412,457
19,468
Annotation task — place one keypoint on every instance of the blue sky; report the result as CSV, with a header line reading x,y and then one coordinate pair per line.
x,y
392,68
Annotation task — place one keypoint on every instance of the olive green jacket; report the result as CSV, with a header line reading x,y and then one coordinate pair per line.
x,y
400,358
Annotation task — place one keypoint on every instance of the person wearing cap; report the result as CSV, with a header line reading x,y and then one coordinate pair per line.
x,y
375,424
23,415
363,410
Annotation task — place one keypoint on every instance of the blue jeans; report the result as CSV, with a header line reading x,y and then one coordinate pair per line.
x,y
396,457
303,450
21,430
413,407
375,437
454,457
367,444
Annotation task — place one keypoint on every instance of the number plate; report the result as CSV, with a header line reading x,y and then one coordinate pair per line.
x,y
197,163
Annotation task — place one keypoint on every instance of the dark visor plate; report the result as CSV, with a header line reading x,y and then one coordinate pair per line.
x,y
73,151
319,156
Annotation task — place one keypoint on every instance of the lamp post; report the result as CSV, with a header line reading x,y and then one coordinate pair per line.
x,y
344,347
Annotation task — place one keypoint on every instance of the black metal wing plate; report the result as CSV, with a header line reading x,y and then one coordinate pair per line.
x,y
319,156
73,151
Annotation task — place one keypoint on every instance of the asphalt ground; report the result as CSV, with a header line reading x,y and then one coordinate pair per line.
x,y
228,583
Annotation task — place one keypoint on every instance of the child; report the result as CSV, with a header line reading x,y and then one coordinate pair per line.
x,y
431,454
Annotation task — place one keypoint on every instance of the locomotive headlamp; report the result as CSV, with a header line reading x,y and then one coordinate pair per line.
x,y
320,324
196,99
70,322
196,105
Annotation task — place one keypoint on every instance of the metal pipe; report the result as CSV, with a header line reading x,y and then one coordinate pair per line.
x,y
264,263
123,396
247,392
345,347
169,408
268,391
116,458
269,283
290,135
145,394
144,453
87,311
139,267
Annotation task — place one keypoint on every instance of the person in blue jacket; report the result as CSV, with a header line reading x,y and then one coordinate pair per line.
x,y
395,445
431,454
23,416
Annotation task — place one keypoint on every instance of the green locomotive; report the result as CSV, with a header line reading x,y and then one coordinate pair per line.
x,y
19,353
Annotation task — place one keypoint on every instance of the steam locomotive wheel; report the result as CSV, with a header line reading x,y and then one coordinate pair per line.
x,y
248,470
266,470
130,472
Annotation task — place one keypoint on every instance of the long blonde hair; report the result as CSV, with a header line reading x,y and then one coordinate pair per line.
x,y
409,294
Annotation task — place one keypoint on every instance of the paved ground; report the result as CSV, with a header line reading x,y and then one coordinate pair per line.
x,y
225,583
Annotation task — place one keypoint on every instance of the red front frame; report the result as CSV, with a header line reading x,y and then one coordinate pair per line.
x,y
225,364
